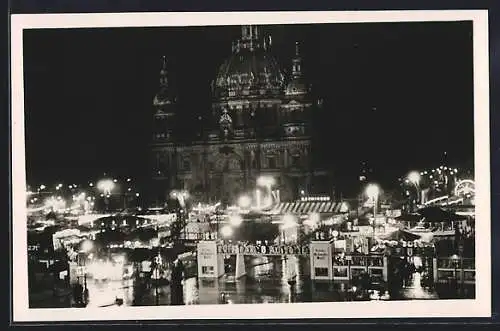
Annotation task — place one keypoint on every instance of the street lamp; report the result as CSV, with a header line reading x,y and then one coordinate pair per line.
x,y
414,178
181,197
373,191
335,234
85,248
158,264
455,259
106,186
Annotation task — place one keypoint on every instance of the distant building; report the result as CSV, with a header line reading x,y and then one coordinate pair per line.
x,y
260,125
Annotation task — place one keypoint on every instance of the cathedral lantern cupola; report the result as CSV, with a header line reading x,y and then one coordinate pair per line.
x,y
164,103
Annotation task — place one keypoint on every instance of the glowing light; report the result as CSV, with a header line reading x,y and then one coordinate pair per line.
x,y
120,259
344,207
227,231
265,181
235,220
106,185
244,201
87,246
414,177
372,191
42,187
314,218
289,221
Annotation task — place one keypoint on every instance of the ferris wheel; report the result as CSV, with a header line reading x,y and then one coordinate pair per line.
x,y
465,188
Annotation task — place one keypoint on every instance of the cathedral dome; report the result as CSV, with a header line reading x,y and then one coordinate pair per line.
x,y
251,70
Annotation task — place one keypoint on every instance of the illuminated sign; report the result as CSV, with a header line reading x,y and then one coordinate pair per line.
x,y
251,249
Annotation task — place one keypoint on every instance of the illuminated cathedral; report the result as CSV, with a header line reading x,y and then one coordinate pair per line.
x,y
261,124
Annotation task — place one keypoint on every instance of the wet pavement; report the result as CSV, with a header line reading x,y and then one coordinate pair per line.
x,y
415,291
268,283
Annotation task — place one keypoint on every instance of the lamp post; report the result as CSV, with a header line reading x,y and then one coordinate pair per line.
x,y
335,234
86,247
455,259
373,191
106,186
158,262
414,178
217,221
181,197
349,277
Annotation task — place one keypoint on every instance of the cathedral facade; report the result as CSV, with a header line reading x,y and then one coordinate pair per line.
x,y
260,125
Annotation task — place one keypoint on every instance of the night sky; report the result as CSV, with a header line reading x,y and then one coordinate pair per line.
x,y
398,95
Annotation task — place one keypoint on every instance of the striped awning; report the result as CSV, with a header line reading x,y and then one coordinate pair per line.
x,y
306,207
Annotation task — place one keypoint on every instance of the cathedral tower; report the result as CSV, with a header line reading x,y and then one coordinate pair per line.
x,y
260,126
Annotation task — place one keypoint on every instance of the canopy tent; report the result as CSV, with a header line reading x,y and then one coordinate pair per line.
x,y
398,235
438,214
413,217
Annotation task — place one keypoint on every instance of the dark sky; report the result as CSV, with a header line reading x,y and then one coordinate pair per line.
x,y
397,95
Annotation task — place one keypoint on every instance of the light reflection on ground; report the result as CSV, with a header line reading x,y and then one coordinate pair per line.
x,y
266,283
